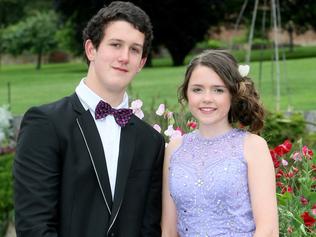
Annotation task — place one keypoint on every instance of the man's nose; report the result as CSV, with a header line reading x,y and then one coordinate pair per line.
x,y
124,55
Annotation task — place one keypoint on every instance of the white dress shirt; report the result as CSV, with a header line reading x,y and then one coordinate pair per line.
x,y
109,130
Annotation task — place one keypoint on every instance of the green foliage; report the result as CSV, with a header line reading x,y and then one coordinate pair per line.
x,y
35,34
6,193
211,44
11,11
65,37
279,128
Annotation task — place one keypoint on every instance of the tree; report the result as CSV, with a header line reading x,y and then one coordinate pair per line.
x,y
297,16
11,11
178,24
35,34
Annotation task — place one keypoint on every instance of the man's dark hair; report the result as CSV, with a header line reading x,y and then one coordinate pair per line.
x,y
116,11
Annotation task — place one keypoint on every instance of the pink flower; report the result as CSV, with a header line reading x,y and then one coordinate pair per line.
x,y
304,201
284,162
180,130
169,114
296,156
136,106
314,209
170,132
307,152
161,109
157,127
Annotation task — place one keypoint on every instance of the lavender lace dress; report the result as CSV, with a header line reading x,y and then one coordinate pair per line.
x,y
208,183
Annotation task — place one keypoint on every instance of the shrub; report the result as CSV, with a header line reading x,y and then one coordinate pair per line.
x,y
279,128
6,193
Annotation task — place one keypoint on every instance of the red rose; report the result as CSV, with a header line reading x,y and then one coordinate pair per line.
x,y
284,148
279,174
295,170
275,160
279,184
192,125
308,220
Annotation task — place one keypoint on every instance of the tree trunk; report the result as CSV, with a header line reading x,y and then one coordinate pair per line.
x,y
39,60
291,40
177,58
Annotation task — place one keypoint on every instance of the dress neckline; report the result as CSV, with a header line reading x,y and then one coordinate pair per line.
x,y
229,133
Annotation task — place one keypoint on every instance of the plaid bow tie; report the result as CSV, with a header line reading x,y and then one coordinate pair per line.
x,y
121,116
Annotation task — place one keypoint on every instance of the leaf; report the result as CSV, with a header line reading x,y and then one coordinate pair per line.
x,y
302,227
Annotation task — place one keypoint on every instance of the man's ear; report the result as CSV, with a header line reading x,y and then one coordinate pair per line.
x,y
89,50
142,63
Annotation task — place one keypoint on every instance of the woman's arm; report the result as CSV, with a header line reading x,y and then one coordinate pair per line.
x,y
169,213
261,179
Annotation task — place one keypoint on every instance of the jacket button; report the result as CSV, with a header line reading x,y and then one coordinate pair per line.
x,y
112,234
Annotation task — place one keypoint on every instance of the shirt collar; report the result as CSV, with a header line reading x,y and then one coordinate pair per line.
x,y
90,99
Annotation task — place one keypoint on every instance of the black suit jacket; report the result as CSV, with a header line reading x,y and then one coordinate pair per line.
x,y
61,182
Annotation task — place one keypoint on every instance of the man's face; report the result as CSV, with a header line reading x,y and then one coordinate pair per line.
x,y
118,58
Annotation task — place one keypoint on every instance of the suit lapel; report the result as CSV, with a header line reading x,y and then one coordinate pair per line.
x,y
126,152
94,146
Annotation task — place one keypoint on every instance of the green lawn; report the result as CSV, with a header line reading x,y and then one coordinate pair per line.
x,y
153,85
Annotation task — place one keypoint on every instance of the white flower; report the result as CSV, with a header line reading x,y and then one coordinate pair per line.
x,y
243,70
160,110
157,127
5,117
172,133
136,106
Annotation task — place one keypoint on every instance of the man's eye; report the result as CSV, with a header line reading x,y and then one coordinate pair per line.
x,y
135,50
116,45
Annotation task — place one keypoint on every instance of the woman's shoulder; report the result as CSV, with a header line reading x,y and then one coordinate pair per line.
x,y
255,140
255,146
173,145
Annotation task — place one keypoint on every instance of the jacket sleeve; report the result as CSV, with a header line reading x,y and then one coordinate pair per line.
x,y
152,216
36,172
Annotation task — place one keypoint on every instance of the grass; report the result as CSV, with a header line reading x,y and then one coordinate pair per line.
x,y
156,85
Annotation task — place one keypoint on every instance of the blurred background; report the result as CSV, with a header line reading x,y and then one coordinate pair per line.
x,y
41,60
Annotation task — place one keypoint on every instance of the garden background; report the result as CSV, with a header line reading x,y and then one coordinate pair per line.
x,y
40,61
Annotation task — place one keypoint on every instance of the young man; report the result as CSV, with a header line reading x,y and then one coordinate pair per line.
x,y
83,168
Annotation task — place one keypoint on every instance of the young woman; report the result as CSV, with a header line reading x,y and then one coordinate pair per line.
x,y
219,180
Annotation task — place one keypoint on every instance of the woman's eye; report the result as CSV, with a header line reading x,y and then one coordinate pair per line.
x,y
218,90
196,89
